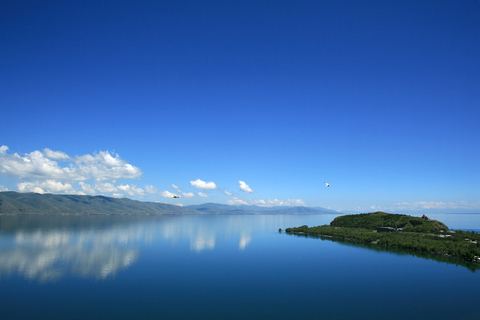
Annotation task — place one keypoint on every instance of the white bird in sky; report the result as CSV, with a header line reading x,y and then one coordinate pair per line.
x,y
326,184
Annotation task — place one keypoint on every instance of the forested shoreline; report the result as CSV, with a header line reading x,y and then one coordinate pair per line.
x,y
406,232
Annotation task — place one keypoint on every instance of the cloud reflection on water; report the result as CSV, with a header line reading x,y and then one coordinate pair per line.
x,y
49,255
49,248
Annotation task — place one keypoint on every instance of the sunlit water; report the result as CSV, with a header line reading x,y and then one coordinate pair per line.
x,y
220,267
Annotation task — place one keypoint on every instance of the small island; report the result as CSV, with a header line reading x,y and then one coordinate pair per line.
x,y
400,231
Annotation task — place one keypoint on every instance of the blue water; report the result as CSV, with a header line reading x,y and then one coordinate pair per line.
x,y
220,267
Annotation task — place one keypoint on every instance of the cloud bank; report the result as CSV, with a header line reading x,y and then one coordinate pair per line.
x,y
43,166
50,171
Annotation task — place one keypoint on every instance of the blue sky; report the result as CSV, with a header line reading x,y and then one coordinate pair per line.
x,y
253,102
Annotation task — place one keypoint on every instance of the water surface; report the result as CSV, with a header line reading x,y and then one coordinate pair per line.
x,y
220,267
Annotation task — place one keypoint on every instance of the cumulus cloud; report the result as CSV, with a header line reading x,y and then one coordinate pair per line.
x,y
42,165
236,201
188,194
86,188
244,187
149,189
267,203
47,186
2,188
203,195
55,155
50,171
99,187
278,203
131,189
199,184
168,194
105,187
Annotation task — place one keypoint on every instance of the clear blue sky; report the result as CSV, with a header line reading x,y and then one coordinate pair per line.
x,y
381,99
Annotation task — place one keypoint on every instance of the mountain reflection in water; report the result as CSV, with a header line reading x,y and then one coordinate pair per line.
x,y
46,248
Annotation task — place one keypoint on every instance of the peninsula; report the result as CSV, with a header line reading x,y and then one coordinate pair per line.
x,y
400,231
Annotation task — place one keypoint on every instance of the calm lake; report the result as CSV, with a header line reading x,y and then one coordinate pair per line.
x,y
221,267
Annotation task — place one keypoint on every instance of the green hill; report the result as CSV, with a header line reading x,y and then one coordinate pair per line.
x,y
12,203
382,219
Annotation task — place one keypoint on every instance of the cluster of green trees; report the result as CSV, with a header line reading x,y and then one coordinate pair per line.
x,y
382,219
436,239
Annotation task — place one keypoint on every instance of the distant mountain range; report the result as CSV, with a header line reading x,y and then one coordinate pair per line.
x,y
14,203
216,208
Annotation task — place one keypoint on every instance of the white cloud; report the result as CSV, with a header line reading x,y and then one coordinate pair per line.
x,y
44,174
105,187
267,203
278,203
203,195
188,194
102,166
131,189
52,186
55,155
41,165
149,189
2,188
199,184
185,194
47,186
244,187
168,194
228,193
87,188
236,201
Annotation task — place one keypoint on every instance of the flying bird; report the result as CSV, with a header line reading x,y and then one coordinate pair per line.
x,y
327,185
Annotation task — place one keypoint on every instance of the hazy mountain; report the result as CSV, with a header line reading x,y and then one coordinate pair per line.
x,y
216,208
13,203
